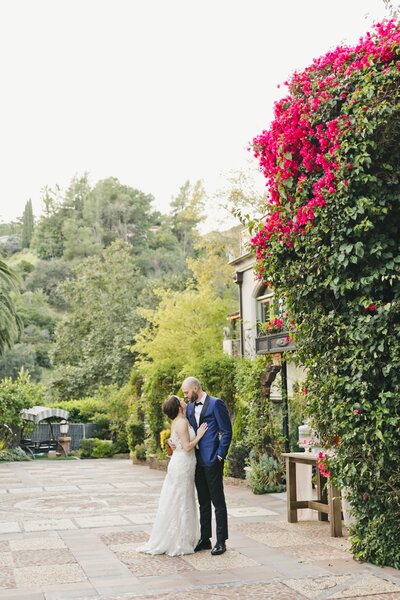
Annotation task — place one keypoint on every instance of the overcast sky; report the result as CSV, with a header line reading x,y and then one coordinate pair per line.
x,y
152,92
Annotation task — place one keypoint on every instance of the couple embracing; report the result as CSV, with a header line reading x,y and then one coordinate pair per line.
x,y
201,433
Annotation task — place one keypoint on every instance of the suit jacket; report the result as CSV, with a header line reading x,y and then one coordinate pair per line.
x,y
216,440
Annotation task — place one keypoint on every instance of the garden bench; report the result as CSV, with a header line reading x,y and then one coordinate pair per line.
x,y
35,448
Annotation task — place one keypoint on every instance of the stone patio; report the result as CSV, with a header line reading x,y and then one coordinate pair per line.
x,y
69,530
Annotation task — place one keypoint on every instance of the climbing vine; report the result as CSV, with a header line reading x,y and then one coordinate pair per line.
x,y
330,244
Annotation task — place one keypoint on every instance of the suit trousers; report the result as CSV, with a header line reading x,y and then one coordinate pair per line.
x,y
210,488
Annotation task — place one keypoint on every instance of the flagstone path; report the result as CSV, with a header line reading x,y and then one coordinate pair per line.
x,y
69,529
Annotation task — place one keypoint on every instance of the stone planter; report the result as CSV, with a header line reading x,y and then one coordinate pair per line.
x,y
138,461
235,481
160,464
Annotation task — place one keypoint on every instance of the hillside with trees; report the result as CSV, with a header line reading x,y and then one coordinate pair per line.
x,y
81,277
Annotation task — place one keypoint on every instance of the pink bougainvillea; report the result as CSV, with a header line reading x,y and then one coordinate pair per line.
x,y
299,154
330,246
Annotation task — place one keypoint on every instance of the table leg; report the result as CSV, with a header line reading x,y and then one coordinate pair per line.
x,y
335,511
322,494
291,490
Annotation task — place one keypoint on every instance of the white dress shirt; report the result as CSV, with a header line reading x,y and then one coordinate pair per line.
x,y
199,408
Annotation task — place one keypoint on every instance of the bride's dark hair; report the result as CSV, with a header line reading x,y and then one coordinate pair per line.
x,y
171,407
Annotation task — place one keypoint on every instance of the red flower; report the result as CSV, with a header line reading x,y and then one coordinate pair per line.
x,y
371,308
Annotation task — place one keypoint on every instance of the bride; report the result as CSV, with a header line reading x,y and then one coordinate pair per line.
x,y
176,526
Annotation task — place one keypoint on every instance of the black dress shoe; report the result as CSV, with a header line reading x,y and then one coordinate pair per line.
x,y
218,549
203,545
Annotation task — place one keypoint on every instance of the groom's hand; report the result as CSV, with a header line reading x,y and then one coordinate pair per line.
x,y
220,458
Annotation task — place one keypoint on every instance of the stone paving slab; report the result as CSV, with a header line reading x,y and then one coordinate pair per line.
x,y
51,524
78,540
250,511
9,527
261,591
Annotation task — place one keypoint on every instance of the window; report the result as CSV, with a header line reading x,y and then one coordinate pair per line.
x,y
266,305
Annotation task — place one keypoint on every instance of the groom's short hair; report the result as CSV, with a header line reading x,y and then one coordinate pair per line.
x,y
171,407
192,382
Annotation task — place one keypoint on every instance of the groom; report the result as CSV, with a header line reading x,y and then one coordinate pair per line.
x,y
210,453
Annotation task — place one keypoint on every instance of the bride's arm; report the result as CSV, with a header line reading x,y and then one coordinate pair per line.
x,y
183,433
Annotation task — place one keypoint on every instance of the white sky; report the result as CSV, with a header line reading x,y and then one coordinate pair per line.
x,y
153,92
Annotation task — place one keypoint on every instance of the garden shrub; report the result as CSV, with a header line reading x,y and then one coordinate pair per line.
x,y
135,432
83,410
103,449
109,410
257,423
237,460
95,448
330,245
217,376
297,415
13,454
161,381
239,449
119,406
14,396
86,447
140,452
102,423
265,475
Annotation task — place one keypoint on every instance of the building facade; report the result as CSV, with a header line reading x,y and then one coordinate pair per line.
x,y
257,304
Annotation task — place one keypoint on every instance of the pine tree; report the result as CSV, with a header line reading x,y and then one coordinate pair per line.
x,y
27,225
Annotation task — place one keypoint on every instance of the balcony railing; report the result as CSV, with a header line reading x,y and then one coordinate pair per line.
x,y
232,347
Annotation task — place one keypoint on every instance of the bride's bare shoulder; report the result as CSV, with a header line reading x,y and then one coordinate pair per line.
x,y
181,424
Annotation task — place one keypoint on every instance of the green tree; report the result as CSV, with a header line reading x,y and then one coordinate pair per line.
x,y
185,327
20,356
35,341
13,228
80,239
27,225
47,240
119,211
243,197
186,214
163,255
92,343
76,195
210,268
47,275
16,395
10,324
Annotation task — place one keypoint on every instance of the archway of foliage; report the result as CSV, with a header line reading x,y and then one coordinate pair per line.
x,y
330,243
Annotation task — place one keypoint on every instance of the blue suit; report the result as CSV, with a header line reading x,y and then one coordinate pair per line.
x,y
215,414
209,469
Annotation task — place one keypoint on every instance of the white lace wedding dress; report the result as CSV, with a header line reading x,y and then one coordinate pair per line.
x,y
176,526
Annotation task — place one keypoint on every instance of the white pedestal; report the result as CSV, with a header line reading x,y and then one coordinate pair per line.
x,y
304,491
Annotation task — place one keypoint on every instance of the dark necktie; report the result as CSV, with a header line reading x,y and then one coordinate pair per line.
x,y
198,404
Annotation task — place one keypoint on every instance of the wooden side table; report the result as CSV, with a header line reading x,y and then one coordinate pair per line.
x,y
328,503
